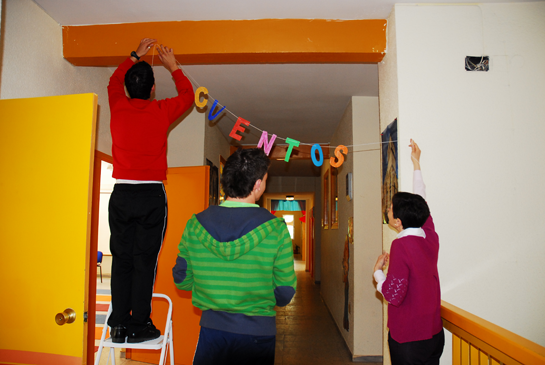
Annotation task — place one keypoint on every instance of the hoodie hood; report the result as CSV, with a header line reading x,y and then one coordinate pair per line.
x,y
232,250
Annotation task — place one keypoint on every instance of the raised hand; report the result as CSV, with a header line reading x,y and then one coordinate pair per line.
x,y
415,155
166,55
382,261
144,46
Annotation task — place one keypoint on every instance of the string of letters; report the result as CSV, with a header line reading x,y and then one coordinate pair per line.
x,y
265,142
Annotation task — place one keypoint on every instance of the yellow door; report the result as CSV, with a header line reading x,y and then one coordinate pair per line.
x,y
46,154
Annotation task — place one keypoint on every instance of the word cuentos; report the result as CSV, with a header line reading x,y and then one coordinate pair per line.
x,y
264,141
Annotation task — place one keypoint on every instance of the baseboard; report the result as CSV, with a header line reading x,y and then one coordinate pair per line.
x,y
373,359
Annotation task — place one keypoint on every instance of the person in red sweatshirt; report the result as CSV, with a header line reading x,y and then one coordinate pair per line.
x,y
138,205
412,286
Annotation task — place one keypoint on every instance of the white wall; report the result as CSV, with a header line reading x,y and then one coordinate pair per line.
x,y
359,126
332,245
481,134
186,140
367,226
32,63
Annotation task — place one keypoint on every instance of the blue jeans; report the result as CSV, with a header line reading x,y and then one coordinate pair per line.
x,y
217,347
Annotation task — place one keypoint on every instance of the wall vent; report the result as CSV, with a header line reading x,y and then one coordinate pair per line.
x,y
477,63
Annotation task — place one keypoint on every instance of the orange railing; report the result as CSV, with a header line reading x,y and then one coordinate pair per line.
x,y
478,342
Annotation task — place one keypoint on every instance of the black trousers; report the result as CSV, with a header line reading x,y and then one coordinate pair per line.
x,y
425,352
217,347
138,220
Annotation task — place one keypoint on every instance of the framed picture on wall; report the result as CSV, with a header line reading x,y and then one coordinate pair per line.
x,y
389,168
325,201
334,198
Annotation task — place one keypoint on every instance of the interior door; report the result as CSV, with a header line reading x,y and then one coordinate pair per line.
x,y
46,154
187,194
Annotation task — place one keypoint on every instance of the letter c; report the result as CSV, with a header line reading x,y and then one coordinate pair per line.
x,y
198,102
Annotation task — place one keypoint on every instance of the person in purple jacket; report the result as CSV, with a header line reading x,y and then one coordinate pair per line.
x,y
412,287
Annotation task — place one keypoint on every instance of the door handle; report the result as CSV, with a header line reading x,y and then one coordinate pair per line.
x,y
68,316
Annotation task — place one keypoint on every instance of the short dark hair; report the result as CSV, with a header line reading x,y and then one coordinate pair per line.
x,y
412,209
139,80
242,169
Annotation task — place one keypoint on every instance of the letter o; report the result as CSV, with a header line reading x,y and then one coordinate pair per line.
x,y
313,155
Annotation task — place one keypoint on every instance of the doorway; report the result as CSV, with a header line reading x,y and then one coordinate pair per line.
x,y
297,216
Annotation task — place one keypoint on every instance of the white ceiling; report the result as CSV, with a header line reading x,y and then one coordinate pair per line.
x,y
80,12
300,101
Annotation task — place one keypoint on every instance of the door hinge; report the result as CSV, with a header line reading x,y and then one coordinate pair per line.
x,y
85,317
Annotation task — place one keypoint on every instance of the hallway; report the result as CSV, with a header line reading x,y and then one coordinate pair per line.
x,y
306,332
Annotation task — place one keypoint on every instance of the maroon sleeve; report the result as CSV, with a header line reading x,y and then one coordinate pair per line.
x,y
429,229
395,287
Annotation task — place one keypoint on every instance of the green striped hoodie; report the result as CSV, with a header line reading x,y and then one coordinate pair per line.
x,y
238,283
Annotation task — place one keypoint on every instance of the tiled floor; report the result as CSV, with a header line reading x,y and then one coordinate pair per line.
x,y
306,334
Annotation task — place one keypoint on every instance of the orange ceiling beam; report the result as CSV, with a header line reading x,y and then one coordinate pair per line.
x,y
232,41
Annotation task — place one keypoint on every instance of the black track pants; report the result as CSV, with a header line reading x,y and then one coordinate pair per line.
x,y
138,220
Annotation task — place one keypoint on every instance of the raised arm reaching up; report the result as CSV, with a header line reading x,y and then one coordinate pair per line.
x,y
418,183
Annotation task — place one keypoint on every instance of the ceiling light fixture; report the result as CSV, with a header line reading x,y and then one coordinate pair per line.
x,y
290,197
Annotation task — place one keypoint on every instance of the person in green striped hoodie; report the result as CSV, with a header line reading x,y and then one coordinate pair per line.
x,y
237,259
